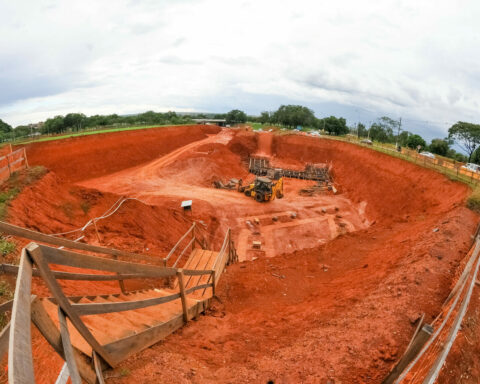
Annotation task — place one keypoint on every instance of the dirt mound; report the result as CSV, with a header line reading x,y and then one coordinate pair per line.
x,y
102,154
210,162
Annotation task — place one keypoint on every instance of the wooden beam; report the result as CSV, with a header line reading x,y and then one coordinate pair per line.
x,y
49,239
68,349
415,346
99,308
182,295
50,332
20,360
60,275
197,287
98,368
78,260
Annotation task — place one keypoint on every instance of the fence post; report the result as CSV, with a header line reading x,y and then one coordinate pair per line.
x,y
25,157
8,164
213,282
182,294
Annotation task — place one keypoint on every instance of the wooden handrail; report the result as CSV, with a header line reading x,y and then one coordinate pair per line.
x,y
10,269
179,241
191,242
53,240
99,308
73,259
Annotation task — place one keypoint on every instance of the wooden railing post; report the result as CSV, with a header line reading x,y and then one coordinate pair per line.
x,y
182,294
25,157
214,282
194,236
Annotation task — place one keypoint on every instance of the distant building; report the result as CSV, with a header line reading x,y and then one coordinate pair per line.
x,y
219,122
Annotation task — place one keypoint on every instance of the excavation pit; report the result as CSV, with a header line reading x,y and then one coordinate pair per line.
x,y
354,267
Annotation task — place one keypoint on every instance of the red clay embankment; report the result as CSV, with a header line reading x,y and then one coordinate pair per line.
x,y
83,157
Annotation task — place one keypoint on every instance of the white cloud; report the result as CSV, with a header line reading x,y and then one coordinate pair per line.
x,y
398,57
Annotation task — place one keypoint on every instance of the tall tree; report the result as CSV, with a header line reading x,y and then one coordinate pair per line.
x,y
466,135
414,141
439,146
236,116
293,116
75,121
334,125
54,125
265,117
4,127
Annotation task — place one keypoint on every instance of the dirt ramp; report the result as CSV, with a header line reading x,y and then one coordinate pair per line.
x,y
394,189
90,156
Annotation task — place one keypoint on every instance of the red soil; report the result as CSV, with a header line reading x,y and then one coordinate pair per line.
x,y
343,311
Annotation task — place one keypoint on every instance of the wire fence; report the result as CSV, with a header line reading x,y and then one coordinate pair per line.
x,y
453,169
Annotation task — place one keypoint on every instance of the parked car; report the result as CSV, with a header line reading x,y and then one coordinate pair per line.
x,y
367,141
472,167
427,154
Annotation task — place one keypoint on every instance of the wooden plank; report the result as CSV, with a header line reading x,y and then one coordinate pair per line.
x,y
98,368
60,275
99,308
68,349
50,332
123,348
182,295
35,252
78,260
20,360
49,239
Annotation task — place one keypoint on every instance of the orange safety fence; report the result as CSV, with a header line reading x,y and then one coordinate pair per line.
x,y
12,162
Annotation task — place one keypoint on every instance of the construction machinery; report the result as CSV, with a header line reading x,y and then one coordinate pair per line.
x,y
264,189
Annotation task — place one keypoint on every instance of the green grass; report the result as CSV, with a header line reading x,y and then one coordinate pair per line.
x,y
94,132
6,247
256,126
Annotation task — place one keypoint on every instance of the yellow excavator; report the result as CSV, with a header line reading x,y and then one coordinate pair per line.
x,y
264,189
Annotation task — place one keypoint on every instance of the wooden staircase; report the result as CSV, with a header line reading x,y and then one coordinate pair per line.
x,y
96,332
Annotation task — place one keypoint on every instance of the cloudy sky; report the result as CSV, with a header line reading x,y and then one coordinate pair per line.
x,y
418,60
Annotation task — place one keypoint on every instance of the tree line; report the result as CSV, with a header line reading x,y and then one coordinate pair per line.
x,y
383,130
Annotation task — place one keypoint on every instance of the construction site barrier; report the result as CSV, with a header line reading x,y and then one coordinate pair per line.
x,y
12,162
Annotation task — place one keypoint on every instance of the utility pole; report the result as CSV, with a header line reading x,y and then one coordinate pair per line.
x,y
399,129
